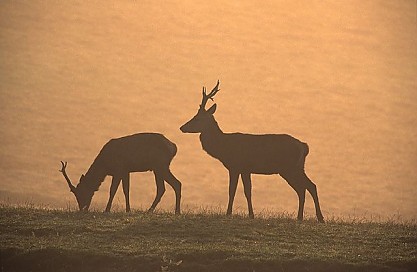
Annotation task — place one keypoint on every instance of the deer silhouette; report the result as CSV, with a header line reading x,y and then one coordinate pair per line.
x,y
118,158
246,154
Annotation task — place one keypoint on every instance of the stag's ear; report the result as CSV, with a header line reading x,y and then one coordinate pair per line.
x,y
212,109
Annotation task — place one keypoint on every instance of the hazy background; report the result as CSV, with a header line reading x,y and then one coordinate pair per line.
x,y
339,75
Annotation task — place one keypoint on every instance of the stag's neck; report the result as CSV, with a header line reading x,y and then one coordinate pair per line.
x,y
95,175
211,140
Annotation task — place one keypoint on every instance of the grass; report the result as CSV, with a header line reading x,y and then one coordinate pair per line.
x,y
36,239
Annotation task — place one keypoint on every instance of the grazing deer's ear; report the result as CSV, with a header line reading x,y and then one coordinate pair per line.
x,y
212,109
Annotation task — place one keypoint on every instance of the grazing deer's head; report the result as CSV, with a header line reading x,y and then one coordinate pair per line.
x,y
82,193
204,118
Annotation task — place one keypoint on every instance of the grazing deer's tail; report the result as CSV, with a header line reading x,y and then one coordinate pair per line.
x,y
306,149
173,148
170,147
303,154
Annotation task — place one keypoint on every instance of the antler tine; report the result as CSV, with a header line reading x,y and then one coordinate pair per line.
x,y
64,165
210,96
204,99
214,91
64,173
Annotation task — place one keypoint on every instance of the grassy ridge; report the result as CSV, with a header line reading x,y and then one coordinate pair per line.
x,y
52,240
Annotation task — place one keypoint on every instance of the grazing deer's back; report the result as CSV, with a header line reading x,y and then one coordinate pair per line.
x,y
137,153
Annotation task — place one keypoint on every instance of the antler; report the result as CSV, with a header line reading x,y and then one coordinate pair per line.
x,y
206,96
64,173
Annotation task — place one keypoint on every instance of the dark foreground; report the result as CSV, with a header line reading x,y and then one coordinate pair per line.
x,y
51,240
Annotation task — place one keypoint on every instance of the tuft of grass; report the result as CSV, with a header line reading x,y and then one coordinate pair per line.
x,y
42,239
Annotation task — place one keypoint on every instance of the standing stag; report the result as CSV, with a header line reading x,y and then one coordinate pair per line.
x,y
118,158
246,154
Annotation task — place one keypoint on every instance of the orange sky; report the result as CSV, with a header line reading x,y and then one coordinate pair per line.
x,y
340,76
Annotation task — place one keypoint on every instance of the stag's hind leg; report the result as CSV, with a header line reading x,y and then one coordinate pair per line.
x,y
113,189
160,190
299,181
126,187
176,185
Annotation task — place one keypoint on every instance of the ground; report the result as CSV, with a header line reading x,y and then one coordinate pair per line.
x,y
39,239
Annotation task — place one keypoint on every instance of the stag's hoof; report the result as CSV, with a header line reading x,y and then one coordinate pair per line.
x,y
150,210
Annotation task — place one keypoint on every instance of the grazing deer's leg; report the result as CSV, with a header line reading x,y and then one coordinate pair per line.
x,y
160,190
126,185
176,185
113,188
312,189
298,185
301,192
233,178
247,185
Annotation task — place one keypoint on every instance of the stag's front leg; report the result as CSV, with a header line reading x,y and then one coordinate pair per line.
x,y
247,185
126,185
233,178
113,188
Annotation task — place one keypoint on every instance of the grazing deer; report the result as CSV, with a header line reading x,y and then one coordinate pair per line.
x,y
246,154
135,153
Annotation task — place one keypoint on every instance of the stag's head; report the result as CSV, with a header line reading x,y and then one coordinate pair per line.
x,y
204,118
82,192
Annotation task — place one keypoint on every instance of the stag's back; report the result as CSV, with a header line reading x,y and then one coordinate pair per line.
x,y
260,154
137,153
